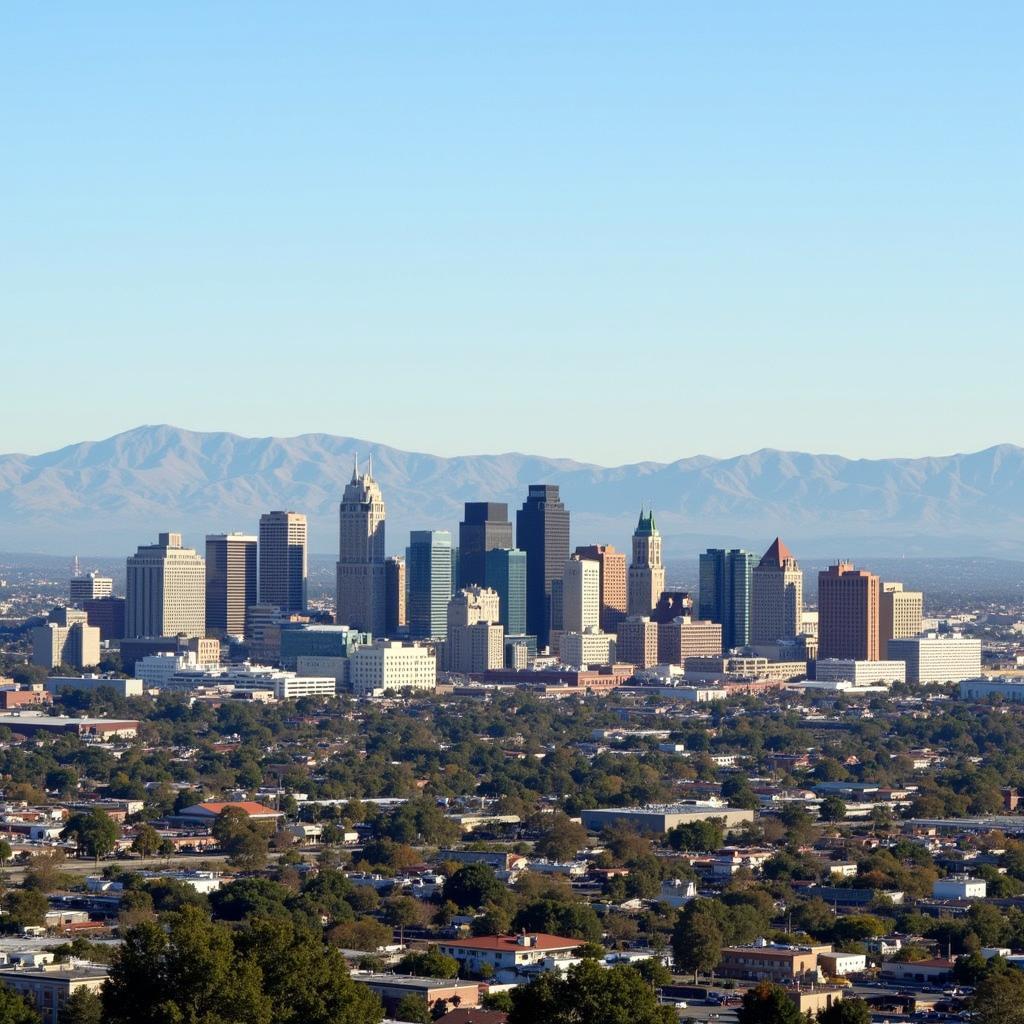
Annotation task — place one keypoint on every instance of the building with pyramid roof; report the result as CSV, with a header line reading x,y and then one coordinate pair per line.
x,y
777,596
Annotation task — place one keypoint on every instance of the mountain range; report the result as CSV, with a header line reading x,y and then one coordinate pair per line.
x,y
106,497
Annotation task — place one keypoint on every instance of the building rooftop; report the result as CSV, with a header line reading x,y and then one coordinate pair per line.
x,y
508,943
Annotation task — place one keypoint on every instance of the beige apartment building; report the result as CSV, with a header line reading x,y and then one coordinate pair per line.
x,y
638,641
476,638
685,637
166,590
612,565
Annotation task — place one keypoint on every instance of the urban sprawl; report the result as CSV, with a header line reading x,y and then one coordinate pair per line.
x,y
505,779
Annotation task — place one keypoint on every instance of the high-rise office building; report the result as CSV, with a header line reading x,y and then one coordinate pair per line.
x,y
777,596
230,582
66,638
394,595
166,590
283,562
646,571
505,572
684,638
900,615
107,615
613,582
724,593
89,588
848,602
542,531
361,572
638,641
581,595
476,639
485,526
429,565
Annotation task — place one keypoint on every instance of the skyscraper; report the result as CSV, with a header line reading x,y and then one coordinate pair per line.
x,y
230,582
505,573
542,531
613,582
282,559
724,593
646,572
900,614
394,601
848,601
361,575
485,526
777,600
166,590
429,561
581,595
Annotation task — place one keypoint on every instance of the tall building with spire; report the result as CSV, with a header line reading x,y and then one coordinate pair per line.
x,y
361,572
646,573
777,596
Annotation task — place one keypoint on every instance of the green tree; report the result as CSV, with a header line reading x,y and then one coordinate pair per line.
x,y
413,1008
14,1009
473,885
846,1011
187,972
243,840
832,809
5,855
26,907
82,1007
768,1004
697,835
589,993
697,938
560,837
430,963
146,842
999,999
305,983
93,832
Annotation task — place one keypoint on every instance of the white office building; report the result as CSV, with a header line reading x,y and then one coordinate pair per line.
x,y
860,673
392,665
938,658
122,687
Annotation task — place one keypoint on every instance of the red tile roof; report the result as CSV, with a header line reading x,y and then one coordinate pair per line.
x,y
249,806
507,943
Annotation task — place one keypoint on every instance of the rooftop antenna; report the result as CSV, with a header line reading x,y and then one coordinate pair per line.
x,y
369,465
355,466
75,570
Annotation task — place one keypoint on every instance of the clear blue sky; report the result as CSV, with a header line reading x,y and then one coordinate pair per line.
x,y
601,230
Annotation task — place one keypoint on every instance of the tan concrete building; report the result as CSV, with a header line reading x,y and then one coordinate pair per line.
x,y
89,588
361,574
392,665
613,582
777,596
47,987
848,613
638,641
646,571
66,638
591,647
684,638
476,638
900,615
764,961
581,595
166,590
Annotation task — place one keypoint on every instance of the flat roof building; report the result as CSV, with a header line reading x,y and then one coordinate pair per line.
x,y
938,658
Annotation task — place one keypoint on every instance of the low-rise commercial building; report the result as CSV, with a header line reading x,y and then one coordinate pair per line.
x,y
663,818
959,888
393,988
91,681
860,672
938,658
392,665
507,952
48,986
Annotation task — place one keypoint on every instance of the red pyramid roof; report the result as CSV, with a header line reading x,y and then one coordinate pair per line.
x,y
776,554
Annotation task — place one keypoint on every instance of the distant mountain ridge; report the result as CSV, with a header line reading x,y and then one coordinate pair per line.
x,y
105,497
